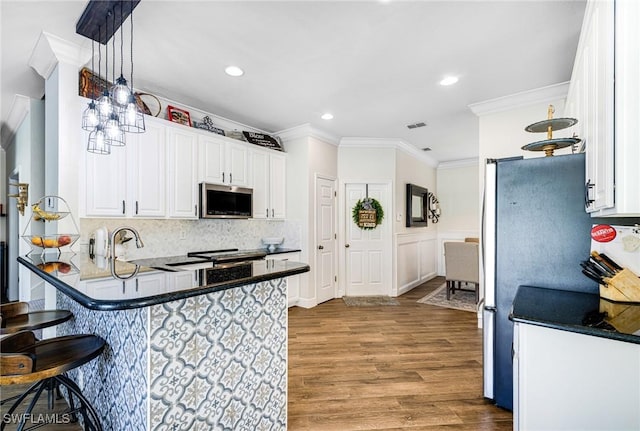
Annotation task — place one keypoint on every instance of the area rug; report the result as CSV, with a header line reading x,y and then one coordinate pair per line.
x,y
369,301
460,300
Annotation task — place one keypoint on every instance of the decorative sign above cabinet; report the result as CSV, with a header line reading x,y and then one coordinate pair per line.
x,y
262,140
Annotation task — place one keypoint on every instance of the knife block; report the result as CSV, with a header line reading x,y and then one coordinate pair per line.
x,y
623,287
624,317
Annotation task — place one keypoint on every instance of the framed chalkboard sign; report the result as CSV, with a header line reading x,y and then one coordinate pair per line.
x,y
262,140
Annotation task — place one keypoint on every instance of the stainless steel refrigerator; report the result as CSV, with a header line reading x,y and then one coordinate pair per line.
x,y
535,232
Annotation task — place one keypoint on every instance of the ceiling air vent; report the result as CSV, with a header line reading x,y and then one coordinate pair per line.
x,y
416,125
426,149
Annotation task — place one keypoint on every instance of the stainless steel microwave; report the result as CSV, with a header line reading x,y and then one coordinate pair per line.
x,y
218,201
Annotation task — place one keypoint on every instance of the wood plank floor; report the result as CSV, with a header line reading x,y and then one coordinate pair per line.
x,y
410,367
406,367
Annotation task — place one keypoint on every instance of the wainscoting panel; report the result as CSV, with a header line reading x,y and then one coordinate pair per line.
x,y
415,260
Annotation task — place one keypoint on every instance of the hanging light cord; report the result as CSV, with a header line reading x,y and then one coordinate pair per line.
x,y
121,44
93,55
131,22
99,57
113,29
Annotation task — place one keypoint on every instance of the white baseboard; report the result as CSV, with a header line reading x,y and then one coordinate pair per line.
x,y
306,302
404,289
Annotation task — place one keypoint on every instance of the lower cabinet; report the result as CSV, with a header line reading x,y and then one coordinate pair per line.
x,y
153,283
569,381
293,282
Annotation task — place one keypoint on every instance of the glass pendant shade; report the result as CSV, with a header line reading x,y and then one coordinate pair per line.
x,y
105,107
131,118
113,133
97,142
120,92
90,117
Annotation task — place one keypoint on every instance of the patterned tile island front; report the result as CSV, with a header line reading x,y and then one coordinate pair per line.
x,y
214,360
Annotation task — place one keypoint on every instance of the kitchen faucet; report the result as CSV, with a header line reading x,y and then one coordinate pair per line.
x,y
112,239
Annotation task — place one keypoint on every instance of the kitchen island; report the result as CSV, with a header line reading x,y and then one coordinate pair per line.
x,y
576,361
188,349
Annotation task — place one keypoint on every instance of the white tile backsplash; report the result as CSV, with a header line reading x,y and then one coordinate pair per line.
x,y
177,237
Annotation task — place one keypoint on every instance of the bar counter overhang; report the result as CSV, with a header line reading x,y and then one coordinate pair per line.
x,y
183,354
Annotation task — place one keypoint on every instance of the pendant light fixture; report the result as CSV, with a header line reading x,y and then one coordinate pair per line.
x,y
115,112
120,91
97,142
131,117
90,118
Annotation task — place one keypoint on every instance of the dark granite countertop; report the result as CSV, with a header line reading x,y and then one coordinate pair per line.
x,y
578,312
106,284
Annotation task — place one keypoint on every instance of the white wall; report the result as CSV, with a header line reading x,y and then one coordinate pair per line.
x,y
459,196
309,154
25,156
502,133
322,161
415,248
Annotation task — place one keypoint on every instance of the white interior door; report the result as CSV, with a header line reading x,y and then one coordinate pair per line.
x,y
325,239
367,252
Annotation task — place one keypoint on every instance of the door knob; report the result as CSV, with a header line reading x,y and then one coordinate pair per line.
x,y
346,246
320,247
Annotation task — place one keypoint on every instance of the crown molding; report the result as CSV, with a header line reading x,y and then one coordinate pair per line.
x,y
398,144
17,113
525,98
51,50
462,163
307,131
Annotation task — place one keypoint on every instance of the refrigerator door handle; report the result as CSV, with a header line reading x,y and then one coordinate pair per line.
x,y
488,352
489,234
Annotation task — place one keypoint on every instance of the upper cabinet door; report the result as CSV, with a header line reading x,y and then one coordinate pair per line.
x,y
106,183
211,159
269,186
147,173
277,185
591,101
182,168
223,162
260,171
237,164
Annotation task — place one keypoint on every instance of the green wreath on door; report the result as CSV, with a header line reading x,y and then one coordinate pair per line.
x,y
363,215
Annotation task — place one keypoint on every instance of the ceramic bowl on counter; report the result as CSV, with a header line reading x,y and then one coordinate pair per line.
x,y
272,243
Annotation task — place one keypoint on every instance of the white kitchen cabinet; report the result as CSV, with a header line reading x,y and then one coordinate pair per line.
x,y
146,174
106,182
293,282
131,181
222,161
111,288
607,114
269,187
182,170
571,381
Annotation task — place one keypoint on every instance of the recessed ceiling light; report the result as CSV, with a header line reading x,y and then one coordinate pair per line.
x,y
234,71
327,116
449,80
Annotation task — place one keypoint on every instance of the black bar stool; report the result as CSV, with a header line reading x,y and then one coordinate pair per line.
x,y
23,359
15,316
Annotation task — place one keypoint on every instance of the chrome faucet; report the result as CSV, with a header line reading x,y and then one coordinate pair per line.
x,y
112,239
